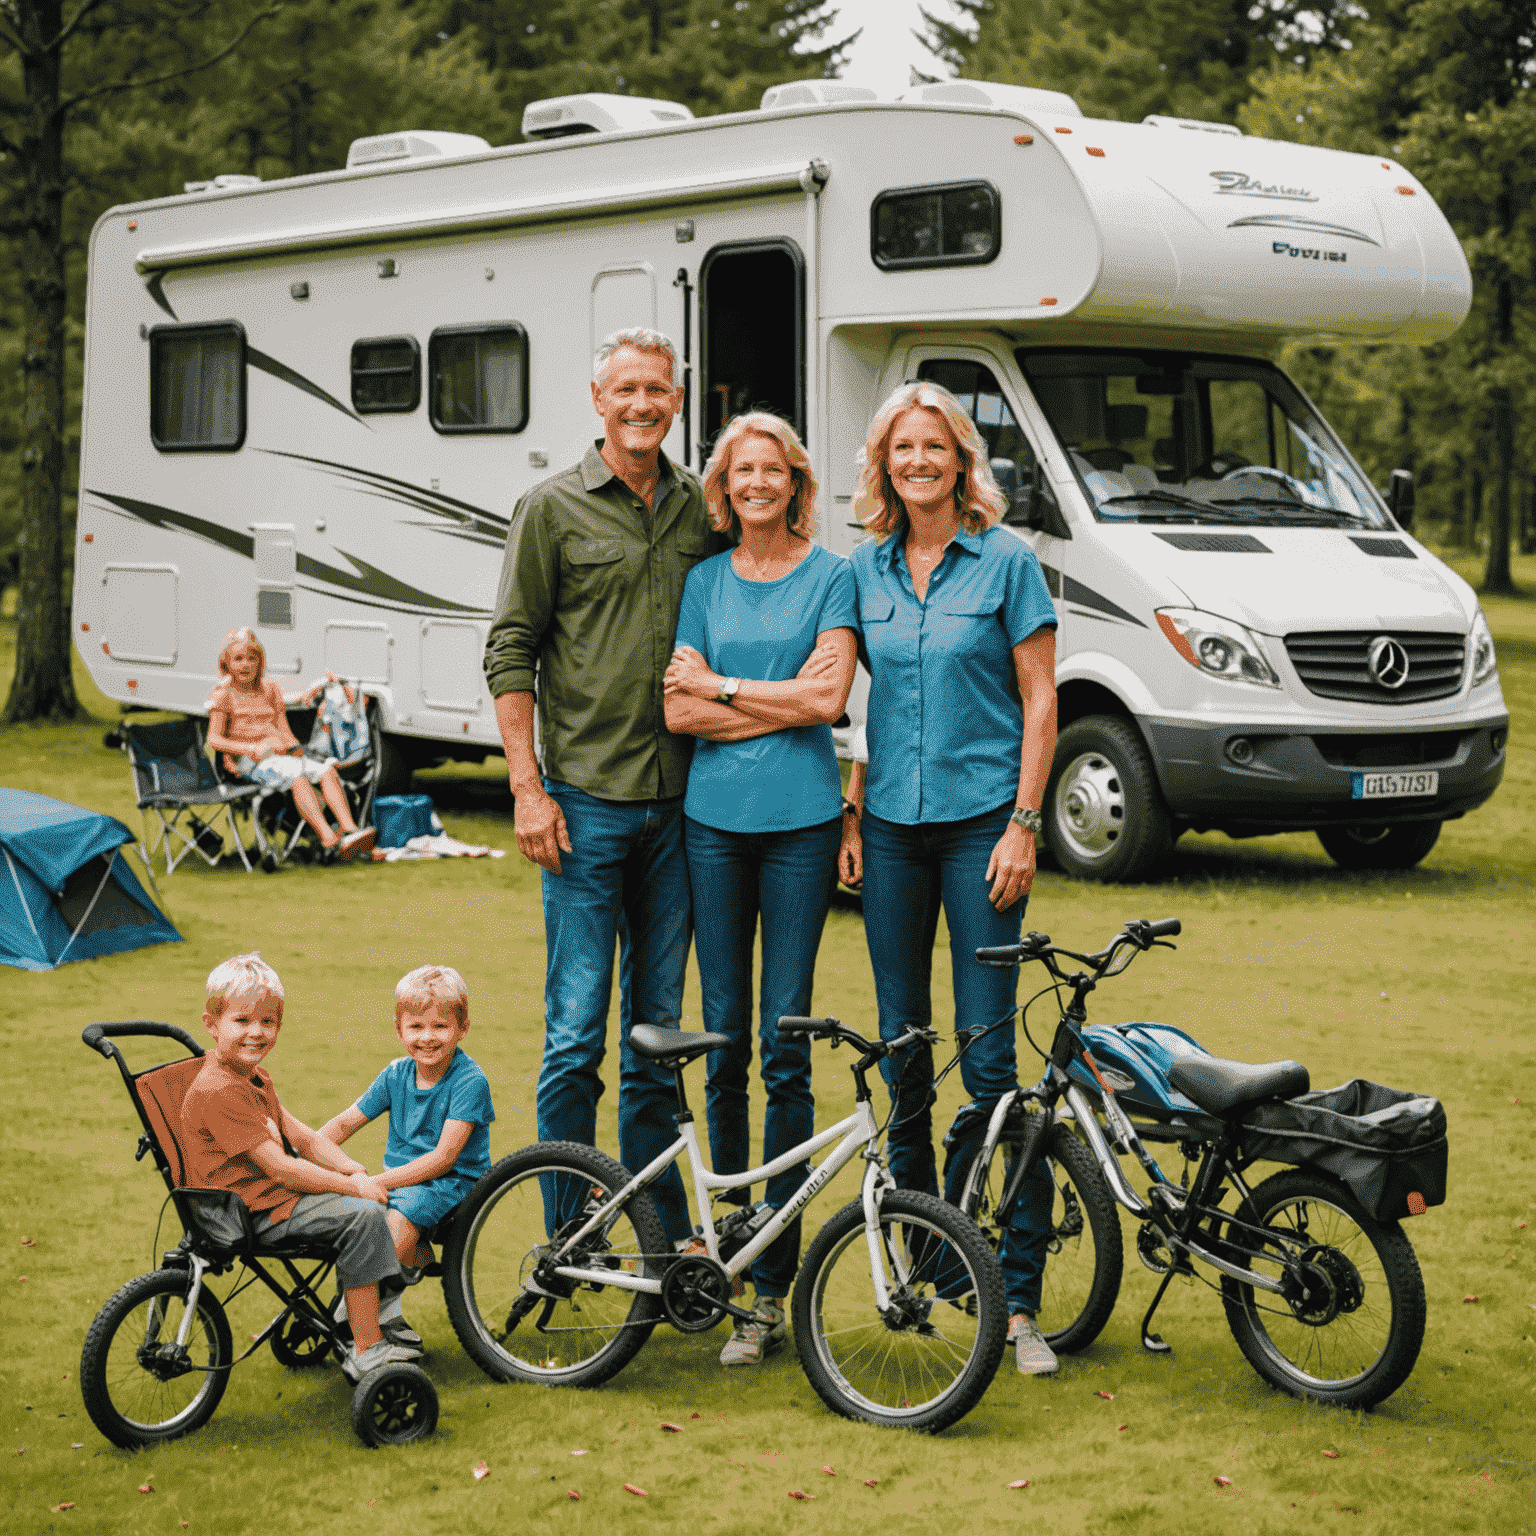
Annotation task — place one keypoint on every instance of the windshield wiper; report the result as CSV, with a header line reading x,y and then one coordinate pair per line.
x,y
1305,513
1190,510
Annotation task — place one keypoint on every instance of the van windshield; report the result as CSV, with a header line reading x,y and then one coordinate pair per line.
x,y
1177,437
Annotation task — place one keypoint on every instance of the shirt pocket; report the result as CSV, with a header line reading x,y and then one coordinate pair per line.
x,y
589,566
875,609
971,626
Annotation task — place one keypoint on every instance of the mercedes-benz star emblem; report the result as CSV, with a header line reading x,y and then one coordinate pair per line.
x,y
1388,662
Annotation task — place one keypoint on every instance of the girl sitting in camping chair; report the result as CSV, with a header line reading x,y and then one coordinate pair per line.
x,y
248,724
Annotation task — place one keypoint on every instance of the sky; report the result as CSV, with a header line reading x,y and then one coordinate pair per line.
x,y
887,51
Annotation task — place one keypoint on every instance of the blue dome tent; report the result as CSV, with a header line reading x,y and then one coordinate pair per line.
x,y
66,890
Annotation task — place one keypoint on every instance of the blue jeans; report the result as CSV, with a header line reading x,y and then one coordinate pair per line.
x,y
788,878
909,872
626,878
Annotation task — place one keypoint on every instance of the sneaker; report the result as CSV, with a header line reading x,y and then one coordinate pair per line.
x,y
356,1366
750,1343
1034,1355
355,843
392,1323
402,1336
411,1275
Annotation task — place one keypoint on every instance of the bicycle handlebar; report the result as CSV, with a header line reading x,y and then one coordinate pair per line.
x,y
1140,931
792,1027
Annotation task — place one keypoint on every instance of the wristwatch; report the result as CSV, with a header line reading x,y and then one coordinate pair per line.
x,y
727,694
1028,818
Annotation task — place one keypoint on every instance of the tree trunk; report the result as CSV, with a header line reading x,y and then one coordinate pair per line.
x,y
1496,573
42,687
1474,511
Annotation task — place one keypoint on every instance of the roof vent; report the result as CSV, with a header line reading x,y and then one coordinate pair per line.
x,y
413,144
983,93
1199,126
221,184
558,117
814,93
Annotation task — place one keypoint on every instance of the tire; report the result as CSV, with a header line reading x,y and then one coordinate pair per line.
x,y
298,1344
135,1403
1397,847
1086,1255
394,1405
500,1236
929,1368
1104,813
1366,1349
394,768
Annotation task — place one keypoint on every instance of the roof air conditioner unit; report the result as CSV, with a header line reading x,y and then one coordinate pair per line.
x,y
221,184
814,93
558,117
413,144
983,93
1198,124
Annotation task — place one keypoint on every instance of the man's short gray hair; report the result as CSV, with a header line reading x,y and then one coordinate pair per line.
x,y
638,337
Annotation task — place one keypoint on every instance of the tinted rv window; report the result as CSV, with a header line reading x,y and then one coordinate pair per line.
x,y
197,387
386,374
479,378
943,226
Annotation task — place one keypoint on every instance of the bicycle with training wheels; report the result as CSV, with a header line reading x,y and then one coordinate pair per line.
x,y
1320,1285
558,1269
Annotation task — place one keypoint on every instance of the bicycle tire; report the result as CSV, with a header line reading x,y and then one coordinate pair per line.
x,y
1081,1284
865,1365
136,1400
1365,1350
497,1240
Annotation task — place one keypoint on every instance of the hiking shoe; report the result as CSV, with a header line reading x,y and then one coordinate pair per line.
x,y
401,1335
355,843
356,1366
1034,1355
750,1343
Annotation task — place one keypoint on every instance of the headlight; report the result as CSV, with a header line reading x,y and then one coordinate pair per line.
x,y
1484,662
1216,646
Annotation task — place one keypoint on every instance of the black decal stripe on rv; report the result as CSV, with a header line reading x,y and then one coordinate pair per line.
x,y
1305,226
288,376
184,522
376,583
487,523
1076,592
154,287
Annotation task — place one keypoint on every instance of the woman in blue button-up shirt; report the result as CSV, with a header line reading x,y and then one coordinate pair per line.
x,y
958,633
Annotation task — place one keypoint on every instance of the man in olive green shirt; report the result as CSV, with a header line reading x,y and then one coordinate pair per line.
x,y
586,613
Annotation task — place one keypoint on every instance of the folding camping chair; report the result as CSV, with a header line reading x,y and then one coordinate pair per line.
x,y
348,733
173,779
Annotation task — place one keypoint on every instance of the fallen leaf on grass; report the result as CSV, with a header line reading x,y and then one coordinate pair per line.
x,y
1471,1298
146,1487
1108,1397
673,1429
21,1279
1331,1455
871,1482
1124,1426
481,1470
693,1415
1222,1482
639,1493
830,1471
78,1445
21,1450
571,1493
27,1242
799,1493
1022,1482
59,1509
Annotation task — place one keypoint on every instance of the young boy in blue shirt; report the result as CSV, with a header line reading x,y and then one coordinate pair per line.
x,y
440,1113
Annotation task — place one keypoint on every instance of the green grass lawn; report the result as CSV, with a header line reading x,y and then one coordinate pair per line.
x,y
1421,980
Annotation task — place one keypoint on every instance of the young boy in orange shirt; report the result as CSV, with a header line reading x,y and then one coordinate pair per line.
x,y
238,1139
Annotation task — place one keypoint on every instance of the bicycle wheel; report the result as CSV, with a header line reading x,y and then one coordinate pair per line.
x,y
925,1361
1084,1256
1355,1336
140,1386
572,1333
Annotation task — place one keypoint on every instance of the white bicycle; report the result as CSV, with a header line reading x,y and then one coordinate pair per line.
x,y
558,1269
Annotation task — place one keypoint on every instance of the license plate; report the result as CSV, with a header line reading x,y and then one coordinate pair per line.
x,y
1392,786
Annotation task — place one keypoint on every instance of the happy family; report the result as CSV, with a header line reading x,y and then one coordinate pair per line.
x,y
687,647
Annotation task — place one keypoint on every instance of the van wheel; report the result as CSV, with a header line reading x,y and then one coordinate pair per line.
x,y
1104,814
1399,847
394,768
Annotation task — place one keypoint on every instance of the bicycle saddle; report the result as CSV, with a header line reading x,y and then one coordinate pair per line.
x,y
673,1045
1226,1088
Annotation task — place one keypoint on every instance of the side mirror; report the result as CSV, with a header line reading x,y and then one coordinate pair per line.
x,y
1042,510
1400,498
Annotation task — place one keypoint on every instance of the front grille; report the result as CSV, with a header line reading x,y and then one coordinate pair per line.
x,y
1394,751
1335,664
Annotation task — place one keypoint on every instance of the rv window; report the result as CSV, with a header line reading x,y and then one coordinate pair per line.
x,y
479,378
386,374
943,226
197,387
1012,457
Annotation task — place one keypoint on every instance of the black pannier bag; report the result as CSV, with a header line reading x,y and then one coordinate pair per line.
x,y
1386,1145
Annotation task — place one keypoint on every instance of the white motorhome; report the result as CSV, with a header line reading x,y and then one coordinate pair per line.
x,y
311,405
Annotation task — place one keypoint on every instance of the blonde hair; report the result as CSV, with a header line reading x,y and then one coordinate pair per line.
x,y
433,984
237,639
241,979
877,504
801,514
640,339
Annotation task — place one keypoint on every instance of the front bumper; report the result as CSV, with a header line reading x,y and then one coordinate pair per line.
x,y
1303,780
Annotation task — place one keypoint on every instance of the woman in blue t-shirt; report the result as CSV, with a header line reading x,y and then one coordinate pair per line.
x,y
957,629
763,664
